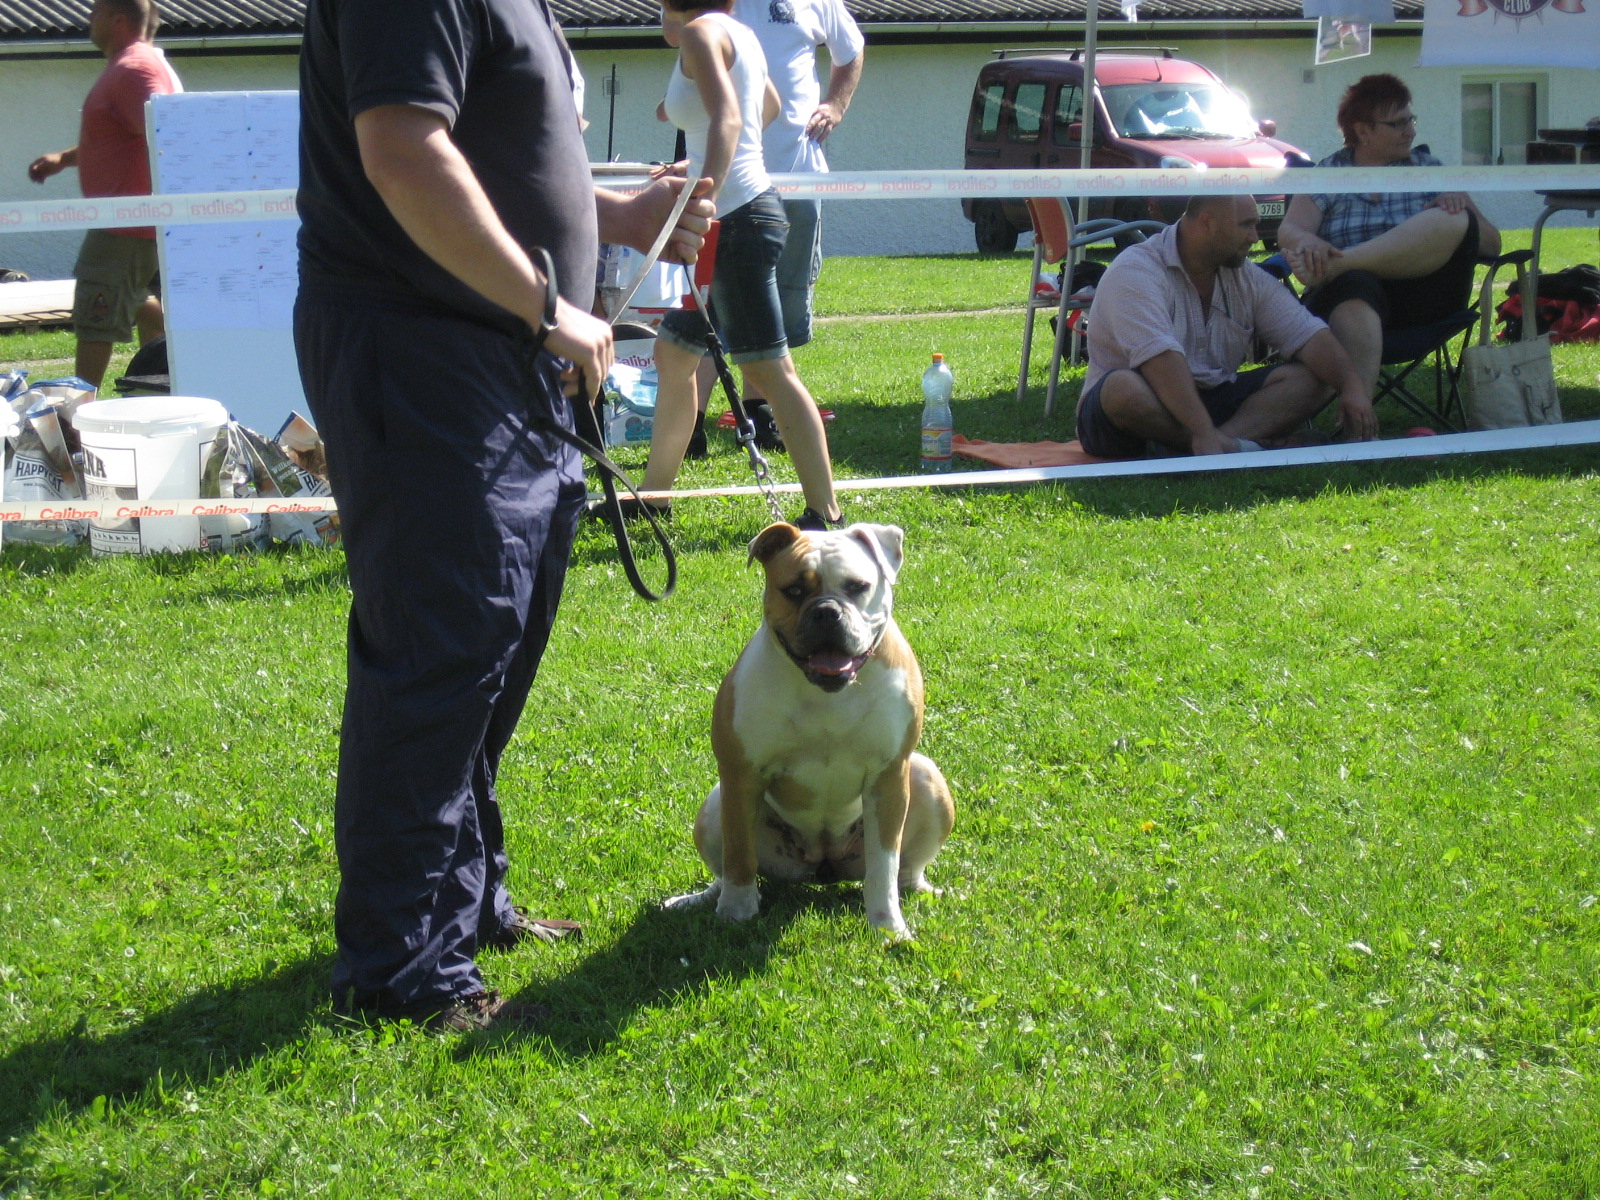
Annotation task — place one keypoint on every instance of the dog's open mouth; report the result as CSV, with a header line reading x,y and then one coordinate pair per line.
x,y
833,669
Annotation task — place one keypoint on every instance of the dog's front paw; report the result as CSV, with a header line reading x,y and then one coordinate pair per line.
x,y
694,901
892,924
739,903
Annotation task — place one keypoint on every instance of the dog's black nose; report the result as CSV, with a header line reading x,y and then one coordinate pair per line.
x,y
827,612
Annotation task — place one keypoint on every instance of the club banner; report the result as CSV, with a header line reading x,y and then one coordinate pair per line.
x,y
1520,33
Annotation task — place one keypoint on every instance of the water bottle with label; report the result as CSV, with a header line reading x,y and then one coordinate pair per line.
x,y
938,385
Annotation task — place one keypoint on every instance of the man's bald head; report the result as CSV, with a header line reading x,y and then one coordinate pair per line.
x,y
1220,229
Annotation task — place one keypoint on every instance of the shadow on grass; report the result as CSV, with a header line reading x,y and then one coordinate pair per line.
x,y
34,561
662,958
37,562
207,1035
1236,491
731,534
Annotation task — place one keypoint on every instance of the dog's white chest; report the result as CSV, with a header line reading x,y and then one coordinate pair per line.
x,y
818,751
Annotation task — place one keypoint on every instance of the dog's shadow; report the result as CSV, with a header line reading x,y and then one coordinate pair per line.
x,y
662,958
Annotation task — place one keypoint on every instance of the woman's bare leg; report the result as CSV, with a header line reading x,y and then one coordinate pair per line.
x,y
1412,249
800,425
675,412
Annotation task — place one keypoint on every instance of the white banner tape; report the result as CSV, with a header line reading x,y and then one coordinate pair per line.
x,y
203,208
1535,437
1255,181
115,212
85,510
905,185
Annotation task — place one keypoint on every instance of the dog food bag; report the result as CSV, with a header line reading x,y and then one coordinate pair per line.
x,y
13,383
40,468
63,395
276,475
303,444
225,475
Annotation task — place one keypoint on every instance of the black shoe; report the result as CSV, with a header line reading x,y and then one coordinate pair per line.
x,y
521,928
814,522
478,1012
457,1014
697,440
767,436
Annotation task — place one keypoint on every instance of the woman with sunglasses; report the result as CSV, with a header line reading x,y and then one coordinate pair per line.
x,y
1381,261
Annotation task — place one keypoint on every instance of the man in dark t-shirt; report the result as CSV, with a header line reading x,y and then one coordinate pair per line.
x,y
439,145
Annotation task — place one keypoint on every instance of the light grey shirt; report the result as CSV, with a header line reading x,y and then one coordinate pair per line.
x,y
790,32
1146,305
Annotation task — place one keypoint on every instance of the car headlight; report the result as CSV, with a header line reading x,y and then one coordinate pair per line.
x,y
1169,161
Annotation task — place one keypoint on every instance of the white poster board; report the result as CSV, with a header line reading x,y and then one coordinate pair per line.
x,y
229,288
1518,33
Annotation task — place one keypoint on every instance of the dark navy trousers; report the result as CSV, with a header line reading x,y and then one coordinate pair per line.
x,y
458,517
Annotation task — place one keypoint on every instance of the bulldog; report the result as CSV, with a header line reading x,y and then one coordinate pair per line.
x,y
815,729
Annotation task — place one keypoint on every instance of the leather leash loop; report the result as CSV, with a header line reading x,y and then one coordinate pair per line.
x,y
611,506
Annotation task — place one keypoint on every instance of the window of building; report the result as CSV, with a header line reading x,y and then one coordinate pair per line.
x,y
1499,117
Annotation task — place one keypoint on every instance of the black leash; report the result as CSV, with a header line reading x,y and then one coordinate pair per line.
x,y
744,428
584,417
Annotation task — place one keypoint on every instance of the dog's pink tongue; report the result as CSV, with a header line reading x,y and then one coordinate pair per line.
x,y
834,662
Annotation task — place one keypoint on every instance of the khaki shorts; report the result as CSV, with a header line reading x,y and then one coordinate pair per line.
x,y
114,276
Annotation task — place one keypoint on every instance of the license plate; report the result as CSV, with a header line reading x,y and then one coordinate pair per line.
x,y
1269,208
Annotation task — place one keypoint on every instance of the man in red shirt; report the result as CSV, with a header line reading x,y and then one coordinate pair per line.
x,y
116,267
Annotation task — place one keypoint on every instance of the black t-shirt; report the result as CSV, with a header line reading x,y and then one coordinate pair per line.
x,y
496,71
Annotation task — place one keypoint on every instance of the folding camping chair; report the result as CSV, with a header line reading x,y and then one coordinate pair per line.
x,y
1437,346
1057,239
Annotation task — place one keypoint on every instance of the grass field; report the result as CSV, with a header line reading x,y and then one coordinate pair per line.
x,y
1274,873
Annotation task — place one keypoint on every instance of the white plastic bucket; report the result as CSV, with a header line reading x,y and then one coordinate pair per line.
x,y
142,449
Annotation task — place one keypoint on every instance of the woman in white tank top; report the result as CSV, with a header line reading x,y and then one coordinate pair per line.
x,y
719,95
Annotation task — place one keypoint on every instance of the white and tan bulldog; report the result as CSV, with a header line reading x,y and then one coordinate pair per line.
x,y
814,731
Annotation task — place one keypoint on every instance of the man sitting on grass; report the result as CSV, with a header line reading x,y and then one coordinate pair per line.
x,y
1173,319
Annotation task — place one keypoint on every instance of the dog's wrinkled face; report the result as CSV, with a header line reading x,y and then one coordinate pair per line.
x,y
829,595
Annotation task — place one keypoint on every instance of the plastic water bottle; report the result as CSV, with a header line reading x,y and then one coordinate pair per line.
x,y
938,385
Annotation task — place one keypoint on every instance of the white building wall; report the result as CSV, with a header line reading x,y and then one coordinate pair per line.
x,y
909,112
44,99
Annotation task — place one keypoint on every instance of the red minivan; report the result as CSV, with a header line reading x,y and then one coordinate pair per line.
x,y
1151,110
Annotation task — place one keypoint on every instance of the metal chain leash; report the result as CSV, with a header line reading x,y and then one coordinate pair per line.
x,y
744,427
745,433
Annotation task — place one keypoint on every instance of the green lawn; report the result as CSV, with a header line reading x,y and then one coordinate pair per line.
x,y
1274,873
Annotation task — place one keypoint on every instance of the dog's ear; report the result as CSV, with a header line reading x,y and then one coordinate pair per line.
x,y
770,540
886,543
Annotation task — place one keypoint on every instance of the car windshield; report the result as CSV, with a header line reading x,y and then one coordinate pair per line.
x,y
1177,110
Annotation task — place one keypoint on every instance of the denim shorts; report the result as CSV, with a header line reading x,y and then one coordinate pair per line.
x,y
799,267
744,287
1101,438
